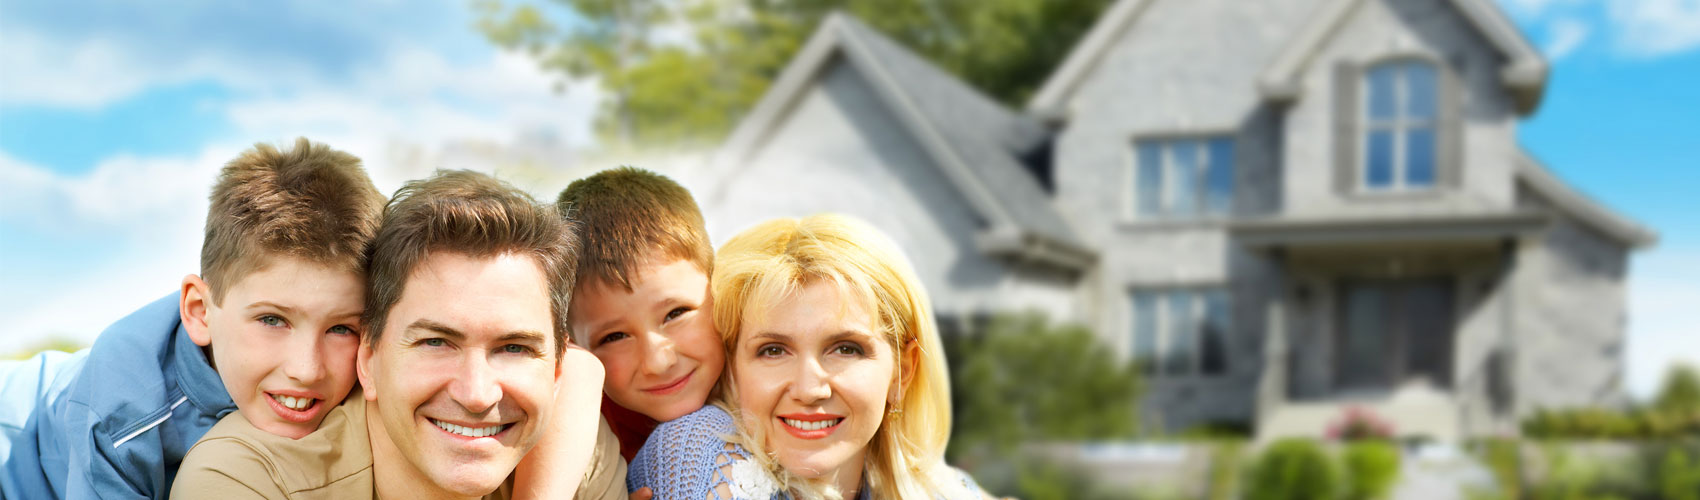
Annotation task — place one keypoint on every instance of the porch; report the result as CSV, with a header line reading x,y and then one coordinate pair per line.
x,y
1408,318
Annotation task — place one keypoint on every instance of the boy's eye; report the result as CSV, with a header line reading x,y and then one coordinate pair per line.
x,y
676,313
516,349
342,330
847,349
609,338
271,320
769,351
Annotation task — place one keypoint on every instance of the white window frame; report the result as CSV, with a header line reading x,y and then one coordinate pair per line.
x,y
1168,192
1400,125
1200,313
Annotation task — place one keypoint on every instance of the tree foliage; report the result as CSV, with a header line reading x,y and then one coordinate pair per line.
x,y
1020,379
1681,391
682,72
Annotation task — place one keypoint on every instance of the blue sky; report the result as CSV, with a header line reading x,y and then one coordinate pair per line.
x,y
114,116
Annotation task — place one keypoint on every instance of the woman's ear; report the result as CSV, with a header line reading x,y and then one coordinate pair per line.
x,y
192,306
909,357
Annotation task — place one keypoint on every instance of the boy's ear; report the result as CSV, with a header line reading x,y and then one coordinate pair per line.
x,y
363,370
907,362
192,308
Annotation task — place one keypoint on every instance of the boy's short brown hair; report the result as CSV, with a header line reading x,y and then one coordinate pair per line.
x,y
311,202
471,213
627,214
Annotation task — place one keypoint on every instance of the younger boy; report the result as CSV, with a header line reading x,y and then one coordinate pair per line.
x,y
642,302
269,329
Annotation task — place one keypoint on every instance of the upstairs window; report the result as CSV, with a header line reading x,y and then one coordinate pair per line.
x,y
1183,177
1399,126
1180,332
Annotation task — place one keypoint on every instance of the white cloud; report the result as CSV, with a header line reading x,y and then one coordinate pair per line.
x,y
1566,36
1652,28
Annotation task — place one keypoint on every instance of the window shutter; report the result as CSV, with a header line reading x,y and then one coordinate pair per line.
x,y
1449,129
1346,134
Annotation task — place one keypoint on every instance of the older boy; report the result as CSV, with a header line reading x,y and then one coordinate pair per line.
x,y
269,329
642,303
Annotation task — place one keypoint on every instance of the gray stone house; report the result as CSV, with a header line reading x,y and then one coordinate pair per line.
x,y
1280,208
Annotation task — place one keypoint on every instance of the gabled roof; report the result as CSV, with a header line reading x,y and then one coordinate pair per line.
x,y
1060,85
1524,72
973,139
1550,188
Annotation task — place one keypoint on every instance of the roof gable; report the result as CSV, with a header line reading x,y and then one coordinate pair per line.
x,y
1052,96
1592,213
972,138
1525,71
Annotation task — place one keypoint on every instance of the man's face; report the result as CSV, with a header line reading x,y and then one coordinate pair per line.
x,y
283,341
657,341
463,375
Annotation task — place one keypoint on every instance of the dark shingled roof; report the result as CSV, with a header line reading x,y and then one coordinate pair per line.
x,y
987,138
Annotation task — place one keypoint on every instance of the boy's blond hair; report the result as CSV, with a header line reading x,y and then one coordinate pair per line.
x,y
311,202
629,214
474,214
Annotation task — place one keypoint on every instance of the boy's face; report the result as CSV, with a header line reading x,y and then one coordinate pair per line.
x,y
657,341
283,340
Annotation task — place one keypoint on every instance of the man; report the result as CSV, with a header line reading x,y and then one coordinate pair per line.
x,y
464,343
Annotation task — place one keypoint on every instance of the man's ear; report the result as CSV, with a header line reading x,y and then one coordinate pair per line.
x,y
363,370
907,362
192,308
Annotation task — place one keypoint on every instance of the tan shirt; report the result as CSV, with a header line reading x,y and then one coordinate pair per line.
x,y
237,460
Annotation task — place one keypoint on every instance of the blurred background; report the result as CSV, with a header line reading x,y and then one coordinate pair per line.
x,y
115,116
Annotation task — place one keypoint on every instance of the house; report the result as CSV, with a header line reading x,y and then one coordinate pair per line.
x,y
1281,209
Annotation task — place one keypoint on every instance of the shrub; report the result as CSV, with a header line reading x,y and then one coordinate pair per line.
x,y
1681,391
1371,468
1359,423
1679,476
1292,469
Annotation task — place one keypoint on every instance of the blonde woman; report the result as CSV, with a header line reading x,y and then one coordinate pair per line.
x,y
836,385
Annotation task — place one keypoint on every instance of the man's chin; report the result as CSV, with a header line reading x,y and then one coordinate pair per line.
x,y
470,481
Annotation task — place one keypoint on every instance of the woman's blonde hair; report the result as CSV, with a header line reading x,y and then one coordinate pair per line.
x,y
768,262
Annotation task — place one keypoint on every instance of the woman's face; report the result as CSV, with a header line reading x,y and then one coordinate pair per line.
x,y
814,374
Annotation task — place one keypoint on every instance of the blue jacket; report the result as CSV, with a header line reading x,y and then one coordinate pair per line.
x,y
145,394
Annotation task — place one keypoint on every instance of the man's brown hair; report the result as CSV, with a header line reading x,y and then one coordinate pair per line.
x,y
311,202
628,214
470,213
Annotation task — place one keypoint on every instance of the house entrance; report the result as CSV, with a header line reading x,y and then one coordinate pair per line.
x,y
1392,332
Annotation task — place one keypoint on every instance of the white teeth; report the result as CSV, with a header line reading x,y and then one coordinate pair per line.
x,y
811,426
293,403
472,432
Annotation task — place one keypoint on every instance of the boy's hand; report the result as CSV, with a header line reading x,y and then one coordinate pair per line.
x,y
643,494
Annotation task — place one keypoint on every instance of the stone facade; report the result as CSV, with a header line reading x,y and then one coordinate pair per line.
x,y
1532,273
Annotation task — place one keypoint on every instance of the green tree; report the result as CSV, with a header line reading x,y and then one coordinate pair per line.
x,y
1020,379
1681,391
682,72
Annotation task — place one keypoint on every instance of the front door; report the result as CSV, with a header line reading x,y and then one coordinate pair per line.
x,y
1392,331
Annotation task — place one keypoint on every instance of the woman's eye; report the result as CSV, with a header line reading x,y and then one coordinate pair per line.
x,y
609,338
847,349
676,313
342,330
271,320
770,350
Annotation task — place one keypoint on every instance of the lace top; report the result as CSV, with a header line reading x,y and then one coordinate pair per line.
x,y
690,458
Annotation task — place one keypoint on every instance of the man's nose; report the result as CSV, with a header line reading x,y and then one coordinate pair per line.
x,y
476,388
